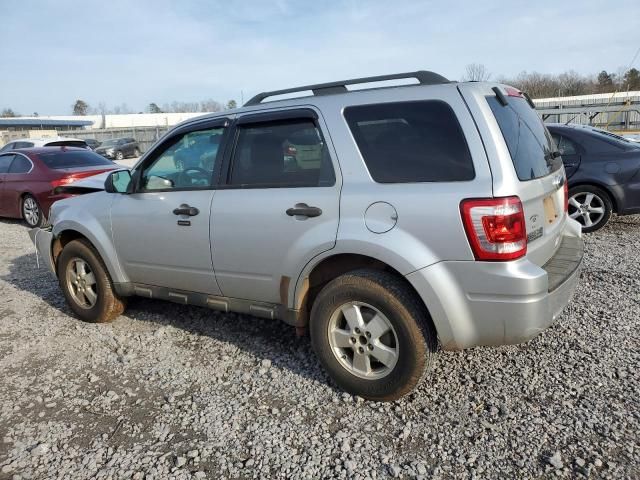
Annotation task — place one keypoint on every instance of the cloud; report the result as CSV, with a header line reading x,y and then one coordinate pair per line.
x,y
161,50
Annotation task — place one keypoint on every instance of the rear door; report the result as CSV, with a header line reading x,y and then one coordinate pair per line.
x,y
5,163
524,162
17,181
272,214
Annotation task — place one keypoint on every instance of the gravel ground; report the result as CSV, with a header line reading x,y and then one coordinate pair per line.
x,y
169,391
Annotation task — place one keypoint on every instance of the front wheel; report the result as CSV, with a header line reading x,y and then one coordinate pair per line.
x,y
86,284
31,212
372,334
119,155
591,206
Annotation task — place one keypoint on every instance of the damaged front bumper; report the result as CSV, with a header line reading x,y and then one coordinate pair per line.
x,y
42,239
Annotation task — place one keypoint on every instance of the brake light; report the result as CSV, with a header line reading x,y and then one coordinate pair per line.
x,y
60,182
495,227
513,92
566,196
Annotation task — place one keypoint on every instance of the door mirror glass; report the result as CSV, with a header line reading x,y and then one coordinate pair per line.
x,y
118,182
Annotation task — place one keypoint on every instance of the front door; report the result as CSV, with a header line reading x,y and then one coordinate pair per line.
x,y
275,211
161,230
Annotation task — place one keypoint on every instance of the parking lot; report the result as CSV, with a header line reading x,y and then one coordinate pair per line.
x,y
183,392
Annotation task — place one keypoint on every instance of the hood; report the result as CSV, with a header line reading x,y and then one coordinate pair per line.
x,y
94,183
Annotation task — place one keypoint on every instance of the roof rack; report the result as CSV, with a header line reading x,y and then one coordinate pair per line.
x,y
424,78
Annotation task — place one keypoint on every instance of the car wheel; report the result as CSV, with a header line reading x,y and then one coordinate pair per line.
x,y
31,212
136,153
86,284
372,334
119,155
591,206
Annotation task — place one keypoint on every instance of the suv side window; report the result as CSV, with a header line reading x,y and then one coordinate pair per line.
x,y
5,162
188,161
281,153
20,165
407,142
7,147
23,145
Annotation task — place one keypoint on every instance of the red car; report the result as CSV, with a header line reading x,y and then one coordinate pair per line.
x,y
30,178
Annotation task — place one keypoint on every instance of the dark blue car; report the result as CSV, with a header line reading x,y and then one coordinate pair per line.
x,y
603,171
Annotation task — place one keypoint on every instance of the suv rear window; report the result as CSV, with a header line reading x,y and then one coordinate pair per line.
x,y
528,140
410,142
73,159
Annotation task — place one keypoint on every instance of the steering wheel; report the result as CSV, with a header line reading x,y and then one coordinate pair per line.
x,y
202,174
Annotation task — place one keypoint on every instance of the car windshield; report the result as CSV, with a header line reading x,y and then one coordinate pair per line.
x,y
73,159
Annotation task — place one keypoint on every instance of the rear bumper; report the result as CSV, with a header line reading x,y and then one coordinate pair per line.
x,y
499,303
42,238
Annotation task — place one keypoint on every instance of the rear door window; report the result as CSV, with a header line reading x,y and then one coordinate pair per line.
x,y
282,153
528,140
5,162
407,142
20,165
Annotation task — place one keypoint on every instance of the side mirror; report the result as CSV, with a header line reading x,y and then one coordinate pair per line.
x,y
118,182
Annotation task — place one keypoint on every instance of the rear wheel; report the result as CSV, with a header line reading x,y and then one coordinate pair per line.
x,y
86,284
119,155
31,212
591,206
372,334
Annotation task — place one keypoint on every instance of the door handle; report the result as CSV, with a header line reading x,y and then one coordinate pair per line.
x,y
185,209
304,210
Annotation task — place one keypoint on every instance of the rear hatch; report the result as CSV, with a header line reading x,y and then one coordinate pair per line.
x,y
524,162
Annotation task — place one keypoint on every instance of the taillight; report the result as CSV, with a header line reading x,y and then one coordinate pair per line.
x,y
495,227
566,196
291,150
60,182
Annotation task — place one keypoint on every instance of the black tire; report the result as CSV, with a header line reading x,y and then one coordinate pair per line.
x,y
600,197
136,153
31,211
119,155
108,304
390,295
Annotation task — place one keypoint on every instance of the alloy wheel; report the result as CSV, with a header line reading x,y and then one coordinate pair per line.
x,y
587,208
81,283
30,211
363,340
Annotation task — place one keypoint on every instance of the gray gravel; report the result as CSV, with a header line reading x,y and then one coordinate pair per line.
x,y
168,391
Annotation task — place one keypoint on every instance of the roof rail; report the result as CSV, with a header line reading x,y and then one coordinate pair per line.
x,y
424,78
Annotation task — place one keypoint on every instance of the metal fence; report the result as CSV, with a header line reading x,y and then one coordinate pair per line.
x,y
146,136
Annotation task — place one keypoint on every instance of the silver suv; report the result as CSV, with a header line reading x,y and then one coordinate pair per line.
x,y
384,220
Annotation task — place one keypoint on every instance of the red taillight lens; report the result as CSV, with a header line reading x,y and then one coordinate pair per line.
x,y
512,92
495,227
60,182
566,196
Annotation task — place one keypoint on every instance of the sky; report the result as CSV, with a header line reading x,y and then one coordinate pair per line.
x,y
142,51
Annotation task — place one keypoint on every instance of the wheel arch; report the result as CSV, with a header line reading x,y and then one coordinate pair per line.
x,y
331,267
65,233
605,188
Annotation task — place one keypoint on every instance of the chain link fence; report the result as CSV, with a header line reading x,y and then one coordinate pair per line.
x,y
145,136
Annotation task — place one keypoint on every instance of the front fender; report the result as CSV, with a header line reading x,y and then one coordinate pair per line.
x,y
89,215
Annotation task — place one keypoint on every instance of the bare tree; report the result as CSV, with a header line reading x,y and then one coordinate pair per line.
x,y
210,106
476,72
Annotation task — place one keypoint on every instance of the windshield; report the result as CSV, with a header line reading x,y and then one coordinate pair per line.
x,y
110,143
612,137
73,159
529,142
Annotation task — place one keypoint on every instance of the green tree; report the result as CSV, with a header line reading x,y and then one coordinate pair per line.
x,y
632,79
231,104
80,107
154,108
8,113
605,82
